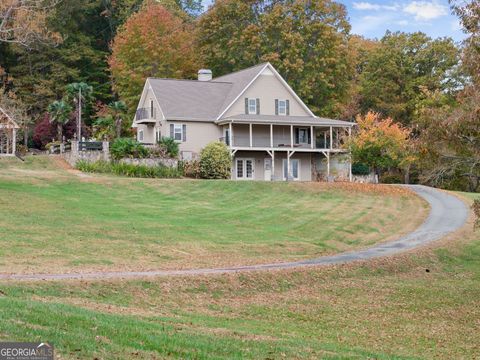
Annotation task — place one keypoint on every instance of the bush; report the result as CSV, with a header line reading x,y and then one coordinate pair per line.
x,y
391,179
170,145
127,147
476,211
140,171
360,169
215,161
190,168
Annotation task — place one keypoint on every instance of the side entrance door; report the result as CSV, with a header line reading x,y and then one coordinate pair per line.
x,y
245,169
267,169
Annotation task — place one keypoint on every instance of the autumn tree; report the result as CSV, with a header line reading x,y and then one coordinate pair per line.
x,y
307,41
24,22
396,74
152,43
380,143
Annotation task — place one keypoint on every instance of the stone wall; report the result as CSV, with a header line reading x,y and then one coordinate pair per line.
x,y
73,156
151,162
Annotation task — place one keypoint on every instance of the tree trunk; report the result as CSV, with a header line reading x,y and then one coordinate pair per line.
x,y
60,132
25,136
118,126
407,175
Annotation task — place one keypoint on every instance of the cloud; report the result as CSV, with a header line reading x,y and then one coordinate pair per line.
x,y
363,5
425,10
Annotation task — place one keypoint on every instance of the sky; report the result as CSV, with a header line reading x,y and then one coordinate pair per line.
x,y
371,18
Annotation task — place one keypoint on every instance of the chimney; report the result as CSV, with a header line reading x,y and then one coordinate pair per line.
x,y
204,75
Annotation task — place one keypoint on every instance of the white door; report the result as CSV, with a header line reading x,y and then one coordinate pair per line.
x,y
294,169
245,169
267,169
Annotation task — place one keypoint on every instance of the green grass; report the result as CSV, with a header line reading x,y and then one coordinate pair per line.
x,y
51,220
388,309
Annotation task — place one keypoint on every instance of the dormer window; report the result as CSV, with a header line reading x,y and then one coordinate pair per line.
x,y
252,106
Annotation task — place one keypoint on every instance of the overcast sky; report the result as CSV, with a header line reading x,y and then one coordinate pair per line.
x,y
372,18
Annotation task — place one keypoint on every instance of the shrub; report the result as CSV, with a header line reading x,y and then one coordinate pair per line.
x,y
127,147
170,145
129,170
476,211
360,169
391,179
190,168
215,161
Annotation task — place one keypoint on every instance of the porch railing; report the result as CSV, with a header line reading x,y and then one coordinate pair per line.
x,y
145,114
280,142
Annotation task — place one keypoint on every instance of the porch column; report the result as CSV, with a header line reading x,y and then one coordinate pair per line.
x,y
311,137
291,136
271,135
325,139
331,138
288,166
328,165
14,143
273,165
350,166
250,133
230,135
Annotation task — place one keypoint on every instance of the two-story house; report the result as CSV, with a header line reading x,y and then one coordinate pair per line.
x,y
271,133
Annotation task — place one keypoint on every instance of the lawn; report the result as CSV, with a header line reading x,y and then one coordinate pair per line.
x,y
56,220
387,309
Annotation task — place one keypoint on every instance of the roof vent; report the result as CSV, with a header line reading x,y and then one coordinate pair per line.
x,y
204,75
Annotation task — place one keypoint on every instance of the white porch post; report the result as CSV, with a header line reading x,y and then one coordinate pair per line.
x,y
291,136
311,137
328,164
273,165
271,135
325,139
331,138
250,133
350,167
288,166
14,143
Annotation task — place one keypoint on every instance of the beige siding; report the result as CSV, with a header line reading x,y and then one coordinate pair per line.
x,y
199,134
267,88
148,133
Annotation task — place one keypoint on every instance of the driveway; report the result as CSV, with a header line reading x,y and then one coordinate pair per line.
x,y
447,214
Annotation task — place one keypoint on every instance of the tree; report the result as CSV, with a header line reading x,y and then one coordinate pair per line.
x,y
109,120
60,112
398,71
118,109
81,95
307,41
380,143
215,161
152,43
24,22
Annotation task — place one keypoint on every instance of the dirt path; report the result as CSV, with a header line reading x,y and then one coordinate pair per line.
x,y
447,215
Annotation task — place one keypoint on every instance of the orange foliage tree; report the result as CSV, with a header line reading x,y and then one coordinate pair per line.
x,y
152,43
381,143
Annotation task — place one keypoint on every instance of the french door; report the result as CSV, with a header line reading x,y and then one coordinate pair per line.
x,y
245,169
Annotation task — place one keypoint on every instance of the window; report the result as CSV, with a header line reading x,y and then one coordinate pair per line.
x,y
302,136
178,132
282,107
252,106
294,169
152,110
140,135
226,136
158,135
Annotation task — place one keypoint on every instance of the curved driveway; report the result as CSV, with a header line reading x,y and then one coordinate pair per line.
x,y
447,214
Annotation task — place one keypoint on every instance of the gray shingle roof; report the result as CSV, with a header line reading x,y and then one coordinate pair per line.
x,y
275,119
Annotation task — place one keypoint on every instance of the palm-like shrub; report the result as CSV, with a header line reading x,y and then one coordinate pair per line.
x,y
127,147
170,146
215,161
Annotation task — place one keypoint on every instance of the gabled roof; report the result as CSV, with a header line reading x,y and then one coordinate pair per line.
x,y
208,100
13,124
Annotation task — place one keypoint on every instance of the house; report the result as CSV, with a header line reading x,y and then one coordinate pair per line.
x,y
271,133
8,134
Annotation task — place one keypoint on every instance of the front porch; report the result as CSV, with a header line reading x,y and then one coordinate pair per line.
x,y
287,148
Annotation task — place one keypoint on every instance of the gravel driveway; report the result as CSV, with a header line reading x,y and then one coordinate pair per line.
x,y
447,214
